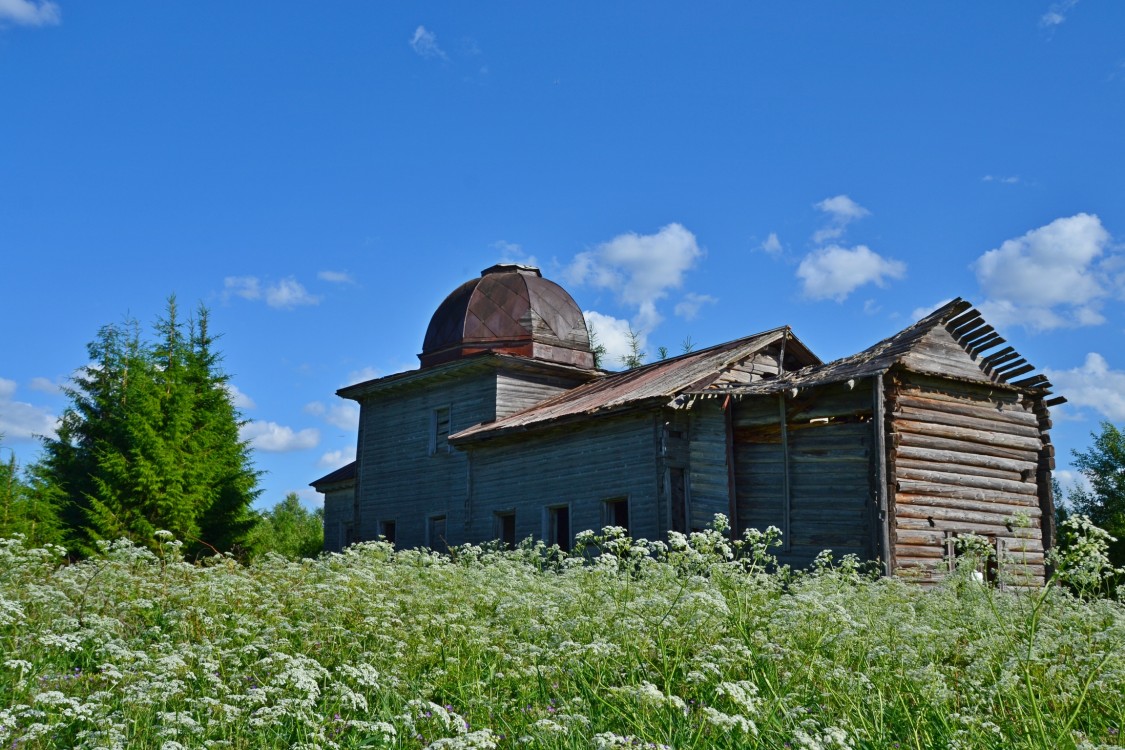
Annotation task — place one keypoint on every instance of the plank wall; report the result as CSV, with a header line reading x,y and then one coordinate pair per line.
x,y
815,481
399,479
709,490
338,509
518,391
603,459
963,459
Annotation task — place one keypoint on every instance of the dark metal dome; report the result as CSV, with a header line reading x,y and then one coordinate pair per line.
x,y
510,309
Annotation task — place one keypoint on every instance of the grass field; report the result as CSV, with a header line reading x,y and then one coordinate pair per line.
x,y
630,645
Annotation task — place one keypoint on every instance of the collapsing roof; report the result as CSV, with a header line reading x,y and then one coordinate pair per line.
x,y
920,348
724,365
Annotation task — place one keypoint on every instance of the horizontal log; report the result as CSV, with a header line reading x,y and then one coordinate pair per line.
x,y
980,437
965,481
918,552
956,492
1003,512
915,510
935,386
936,538
920,440
964,459
963,527
998,426
1001,411
960,469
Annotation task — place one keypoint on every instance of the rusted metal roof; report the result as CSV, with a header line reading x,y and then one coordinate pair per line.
x,y
965,327
343,474
510,309
658,382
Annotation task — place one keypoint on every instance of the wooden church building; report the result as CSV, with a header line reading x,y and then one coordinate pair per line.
x,y
507,430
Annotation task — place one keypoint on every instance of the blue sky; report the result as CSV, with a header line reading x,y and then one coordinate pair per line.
x,y
321,176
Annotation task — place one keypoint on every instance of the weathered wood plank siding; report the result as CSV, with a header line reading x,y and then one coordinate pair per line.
x,y
518,391
707,461
338,506
398,474
831,494
612,458
964,459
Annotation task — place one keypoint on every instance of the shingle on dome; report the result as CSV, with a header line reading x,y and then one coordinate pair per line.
x,y
510,309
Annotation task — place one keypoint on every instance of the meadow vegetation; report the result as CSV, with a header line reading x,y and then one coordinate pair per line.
x,y
699,642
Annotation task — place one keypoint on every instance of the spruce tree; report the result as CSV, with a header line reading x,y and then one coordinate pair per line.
x,y
150,441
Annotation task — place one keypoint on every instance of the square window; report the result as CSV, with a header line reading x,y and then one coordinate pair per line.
x,y
387,530
615,512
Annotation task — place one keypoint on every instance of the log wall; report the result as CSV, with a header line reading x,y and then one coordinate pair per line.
x,y
964,459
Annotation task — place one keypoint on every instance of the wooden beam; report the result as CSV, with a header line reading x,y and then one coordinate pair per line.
x,y
975,335
1017,372
882,516
786,543
989,341
732,494
961,320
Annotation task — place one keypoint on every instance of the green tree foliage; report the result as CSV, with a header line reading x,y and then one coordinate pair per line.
x,y
1103,464
24,511
635,356
150,441
288,529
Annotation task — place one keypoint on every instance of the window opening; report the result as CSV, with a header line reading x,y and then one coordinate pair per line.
x,y
558,526
387,530
616,512
439,430
506,528
436,534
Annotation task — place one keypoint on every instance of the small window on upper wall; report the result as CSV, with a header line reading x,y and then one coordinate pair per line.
x,y
439,430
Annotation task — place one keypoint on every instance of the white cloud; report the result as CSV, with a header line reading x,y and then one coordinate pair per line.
x,y
44,385
336,459
238,398
1056,14
639,268
1012,180
920,312
613,334
289,293
247,287
344,415
336,277
841,211
771,245
1093,385
30,12
688,308
274,438
362,375
510,252
21,421
1049,277
285,294
834,272
425,44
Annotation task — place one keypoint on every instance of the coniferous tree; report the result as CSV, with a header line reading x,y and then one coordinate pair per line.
x,y
150,441
24,511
